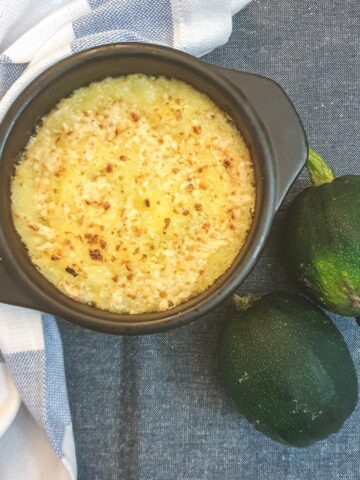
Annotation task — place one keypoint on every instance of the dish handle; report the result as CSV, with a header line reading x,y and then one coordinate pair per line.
x,y
11,293
281,122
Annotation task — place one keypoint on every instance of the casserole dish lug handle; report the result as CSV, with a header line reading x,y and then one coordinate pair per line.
x,y
11,293
281,123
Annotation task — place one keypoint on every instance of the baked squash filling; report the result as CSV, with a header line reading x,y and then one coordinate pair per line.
x,y
134,194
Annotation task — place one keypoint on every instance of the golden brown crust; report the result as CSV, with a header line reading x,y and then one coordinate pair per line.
x,y
135,194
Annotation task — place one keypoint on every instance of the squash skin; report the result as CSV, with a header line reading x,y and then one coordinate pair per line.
x,y
288,370
322,233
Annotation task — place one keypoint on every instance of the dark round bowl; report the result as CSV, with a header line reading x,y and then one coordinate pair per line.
x,y
263,114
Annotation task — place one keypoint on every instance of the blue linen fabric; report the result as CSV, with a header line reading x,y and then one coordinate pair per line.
x,y
153,408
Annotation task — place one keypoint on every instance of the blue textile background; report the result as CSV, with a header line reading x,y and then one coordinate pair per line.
x,y
152,408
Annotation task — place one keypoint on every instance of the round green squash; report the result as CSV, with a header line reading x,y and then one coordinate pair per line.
x,y
288,370
322,233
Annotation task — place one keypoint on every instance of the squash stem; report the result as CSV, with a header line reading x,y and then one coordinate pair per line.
x,y
318,169
246,301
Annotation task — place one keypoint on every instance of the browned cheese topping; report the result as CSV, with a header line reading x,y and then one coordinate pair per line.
x,y
135,194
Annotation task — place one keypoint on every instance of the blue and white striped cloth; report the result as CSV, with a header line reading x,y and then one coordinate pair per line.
x,y
36,439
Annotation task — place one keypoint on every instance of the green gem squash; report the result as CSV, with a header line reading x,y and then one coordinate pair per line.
x,y
288,369
322,233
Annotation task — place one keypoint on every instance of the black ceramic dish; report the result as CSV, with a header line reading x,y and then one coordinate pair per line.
x,y
264,115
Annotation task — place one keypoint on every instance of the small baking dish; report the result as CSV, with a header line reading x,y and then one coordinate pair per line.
x,y
263,114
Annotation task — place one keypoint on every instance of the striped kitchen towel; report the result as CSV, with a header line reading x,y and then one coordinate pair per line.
x,y
36,440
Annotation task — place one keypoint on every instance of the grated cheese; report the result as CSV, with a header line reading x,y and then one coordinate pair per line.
x,y
135,194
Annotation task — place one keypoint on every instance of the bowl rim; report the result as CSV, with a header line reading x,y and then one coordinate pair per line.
x,y
60,305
